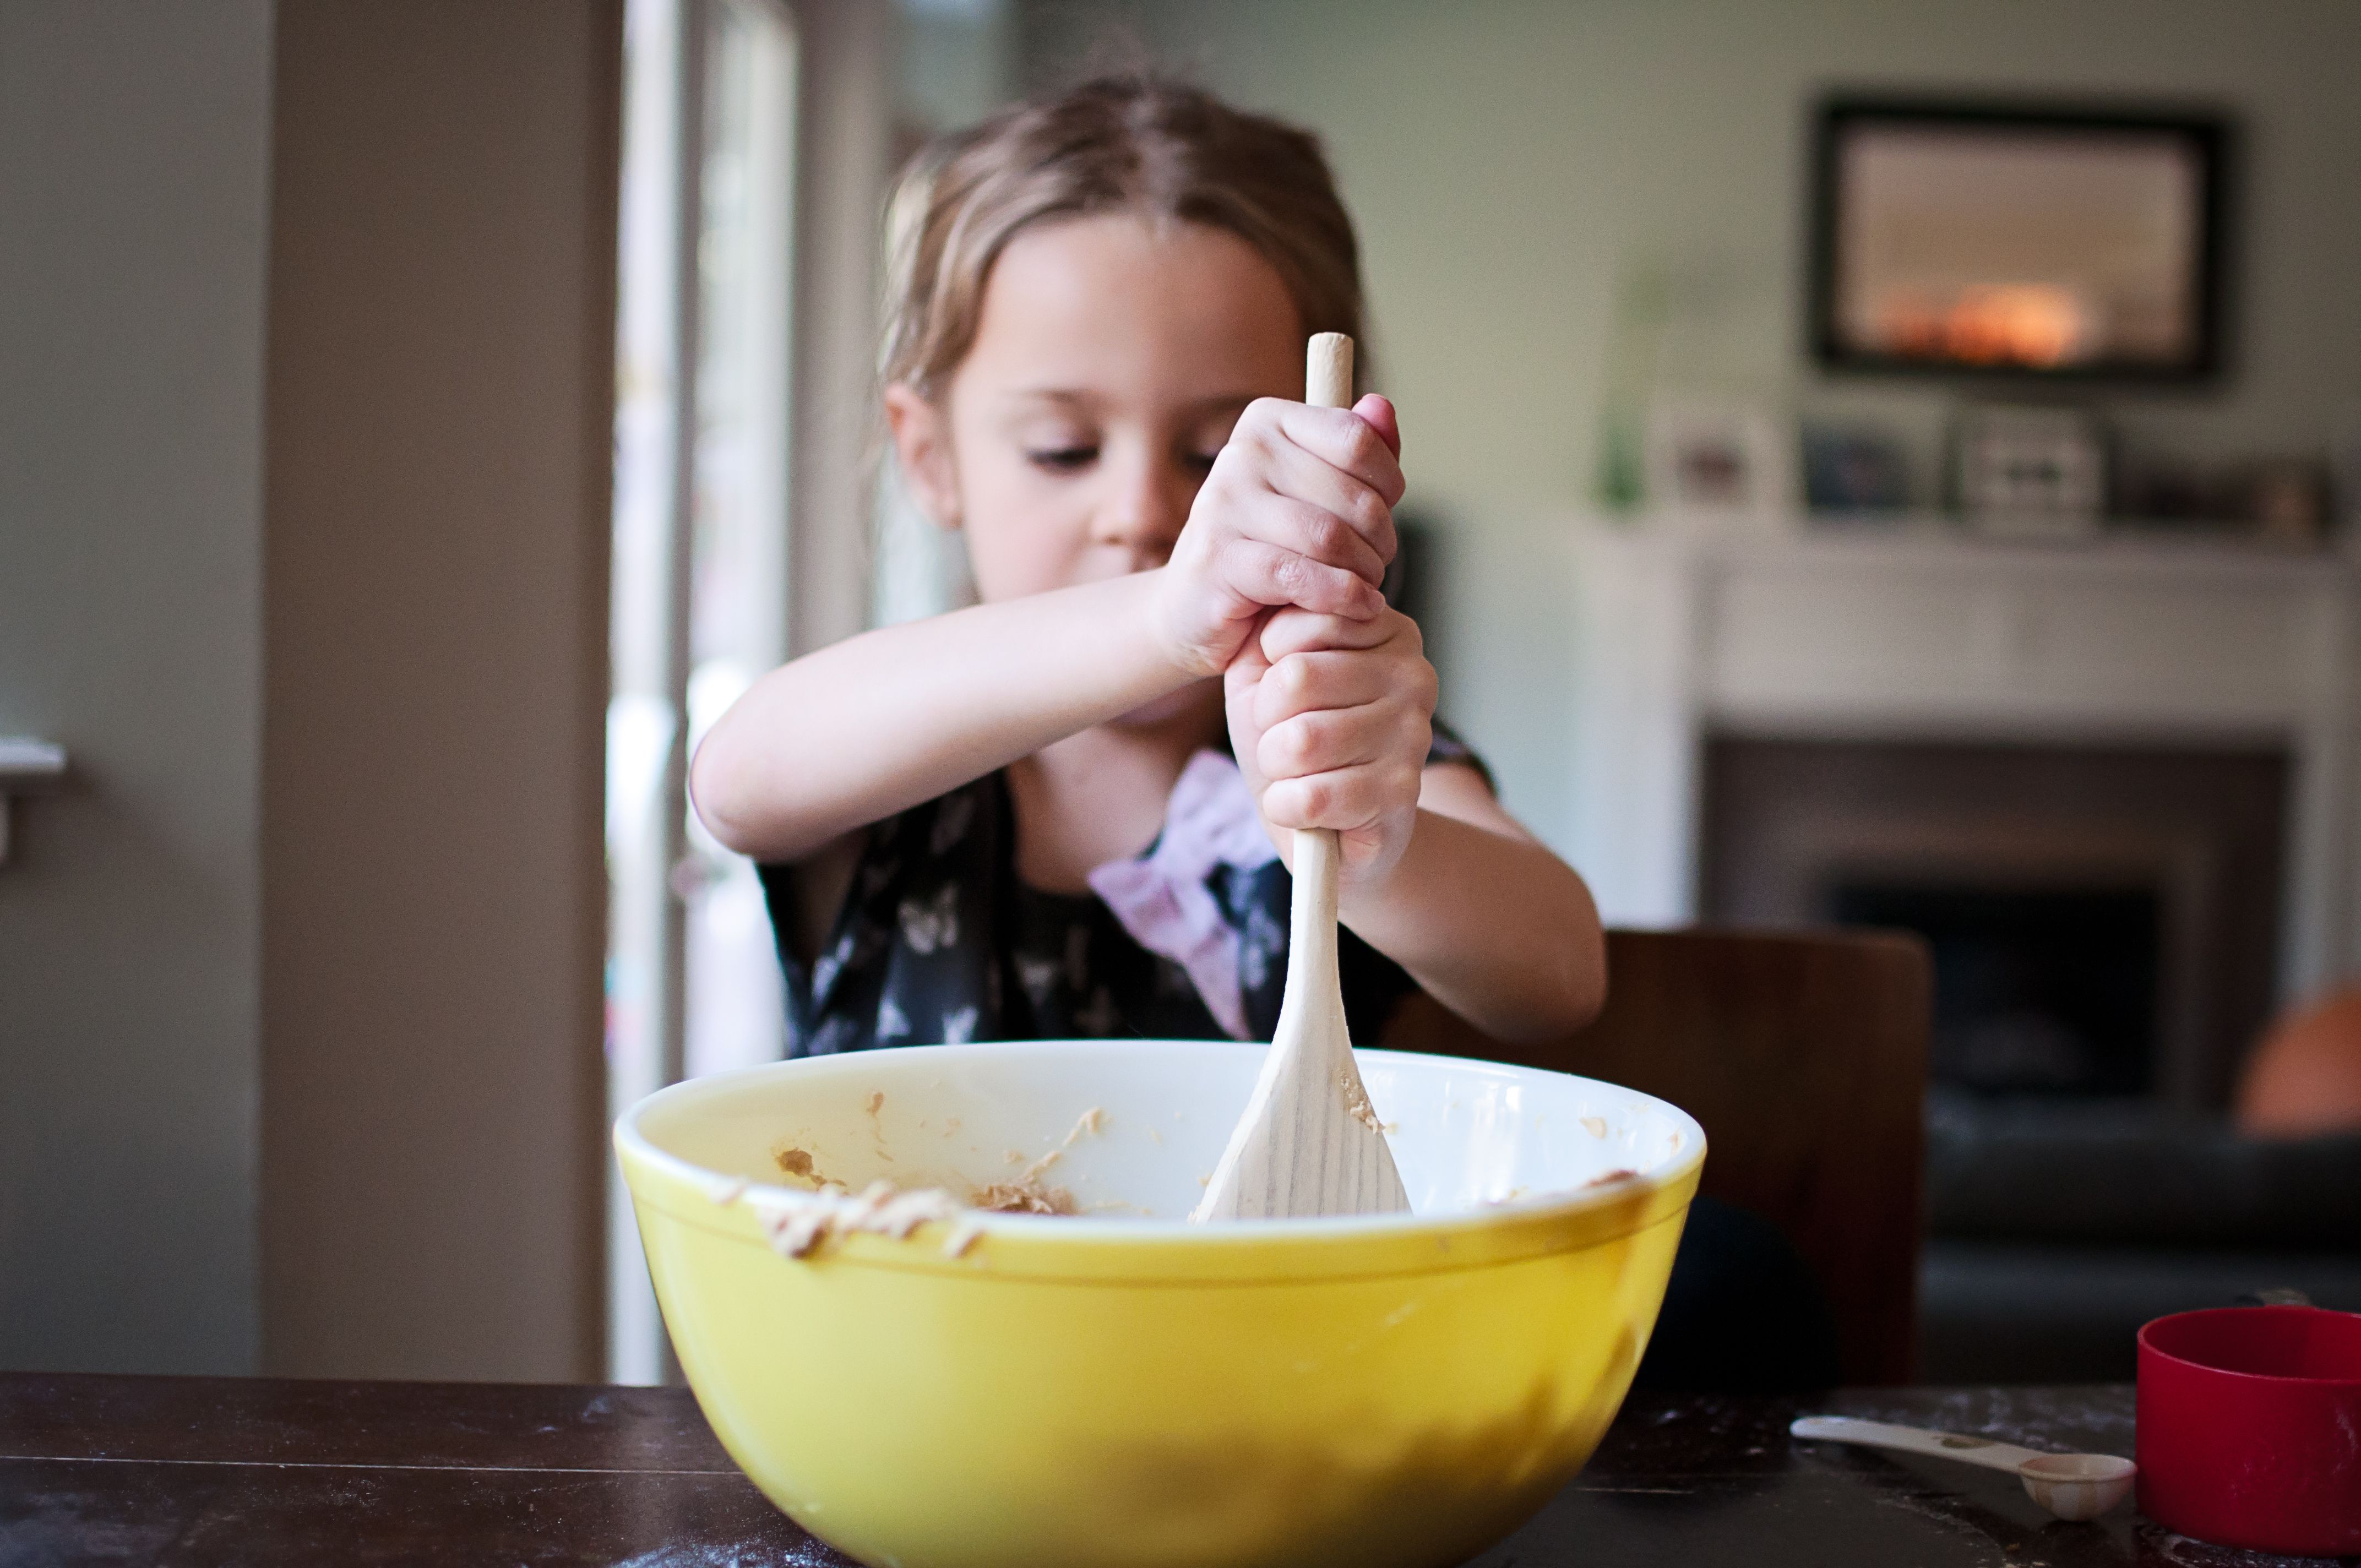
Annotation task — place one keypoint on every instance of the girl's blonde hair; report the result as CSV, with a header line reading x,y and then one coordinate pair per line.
x,y
1117,145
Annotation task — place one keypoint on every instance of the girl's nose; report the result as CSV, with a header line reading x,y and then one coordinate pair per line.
x,y
1146,508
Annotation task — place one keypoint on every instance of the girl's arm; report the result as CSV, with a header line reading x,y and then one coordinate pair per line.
x,y
1296,513
1485,917
875,724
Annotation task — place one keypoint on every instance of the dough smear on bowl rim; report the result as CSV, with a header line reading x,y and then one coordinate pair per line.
x,y
799,1221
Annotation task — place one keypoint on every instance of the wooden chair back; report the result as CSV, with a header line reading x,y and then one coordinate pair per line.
x,y
1804,1057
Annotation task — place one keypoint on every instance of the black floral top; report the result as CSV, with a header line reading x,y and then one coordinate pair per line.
x,y
938,940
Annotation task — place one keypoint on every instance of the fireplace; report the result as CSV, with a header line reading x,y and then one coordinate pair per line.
x,y
2143,748
2102,920
2036,989
2117,787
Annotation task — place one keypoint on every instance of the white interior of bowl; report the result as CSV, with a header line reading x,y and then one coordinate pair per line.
x,y
1467,1136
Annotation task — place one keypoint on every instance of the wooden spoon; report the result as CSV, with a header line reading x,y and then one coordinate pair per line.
x,y
1308,1142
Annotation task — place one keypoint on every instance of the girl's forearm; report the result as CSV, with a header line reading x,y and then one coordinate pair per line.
x,y
877,723
1495,928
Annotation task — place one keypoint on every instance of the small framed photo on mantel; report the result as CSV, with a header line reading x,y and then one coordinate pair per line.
x,y
2031,473
1722,464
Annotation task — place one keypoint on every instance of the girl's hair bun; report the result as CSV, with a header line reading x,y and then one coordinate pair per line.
x,y
1133,144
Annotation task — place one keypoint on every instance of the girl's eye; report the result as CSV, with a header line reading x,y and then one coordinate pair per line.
x,y
1201,462
1064,459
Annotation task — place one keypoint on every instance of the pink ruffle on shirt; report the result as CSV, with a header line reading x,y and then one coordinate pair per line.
x,y
1161,898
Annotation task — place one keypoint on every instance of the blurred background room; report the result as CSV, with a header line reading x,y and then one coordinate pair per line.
x,y
1874,465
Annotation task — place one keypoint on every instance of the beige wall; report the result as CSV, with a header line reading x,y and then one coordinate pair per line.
x,y
133,178
1507,158
440,406
305,407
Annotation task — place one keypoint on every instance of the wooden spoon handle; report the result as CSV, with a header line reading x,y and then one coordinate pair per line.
x,y
1309,1142
1311,917
1328,371
1311,926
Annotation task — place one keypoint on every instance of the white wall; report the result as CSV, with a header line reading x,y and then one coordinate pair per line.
x,y
134,179
1507,160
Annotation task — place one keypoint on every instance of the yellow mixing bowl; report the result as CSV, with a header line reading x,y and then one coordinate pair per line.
x,y
1122,1387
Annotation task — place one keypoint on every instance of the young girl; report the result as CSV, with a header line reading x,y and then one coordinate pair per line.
x,y
1064,812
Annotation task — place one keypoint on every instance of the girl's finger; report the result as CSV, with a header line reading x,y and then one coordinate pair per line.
x,y
1345,441
1307,683
1302,632
1322,741
1250,663
1308,477
1315,531
1342,798
1262,573
1383,419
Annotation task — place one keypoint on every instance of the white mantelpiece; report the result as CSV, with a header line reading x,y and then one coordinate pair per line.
x,y
1917,631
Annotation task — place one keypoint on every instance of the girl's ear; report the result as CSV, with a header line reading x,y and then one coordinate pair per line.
x,y
922,440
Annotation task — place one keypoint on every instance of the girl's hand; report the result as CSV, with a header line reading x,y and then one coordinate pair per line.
x,y
1331,718
1297,511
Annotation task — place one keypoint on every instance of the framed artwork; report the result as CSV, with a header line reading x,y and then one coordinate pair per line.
x,y
2024,241
1856,471
2031,472
1718,460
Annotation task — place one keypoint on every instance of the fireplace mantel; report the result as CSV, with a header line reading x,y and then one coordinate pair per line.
x,y
1917,631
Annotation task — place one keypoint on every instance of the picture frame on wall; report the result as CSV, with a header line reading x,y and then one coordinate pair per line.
x,y
2035,241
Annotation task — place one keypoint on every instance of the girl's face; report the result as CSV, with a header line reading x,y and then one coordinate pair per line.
x,y
1111,358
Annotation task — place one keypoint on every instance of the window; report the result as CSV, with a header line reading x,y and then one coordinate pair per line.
x,y
700,592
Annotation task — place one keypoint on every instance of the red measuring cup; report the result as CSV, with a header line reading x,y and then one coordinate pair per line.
x,y
2249,1430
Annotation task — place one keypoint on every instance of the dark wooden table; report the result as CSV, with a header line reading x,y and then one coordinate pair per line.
x,y
198,1471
